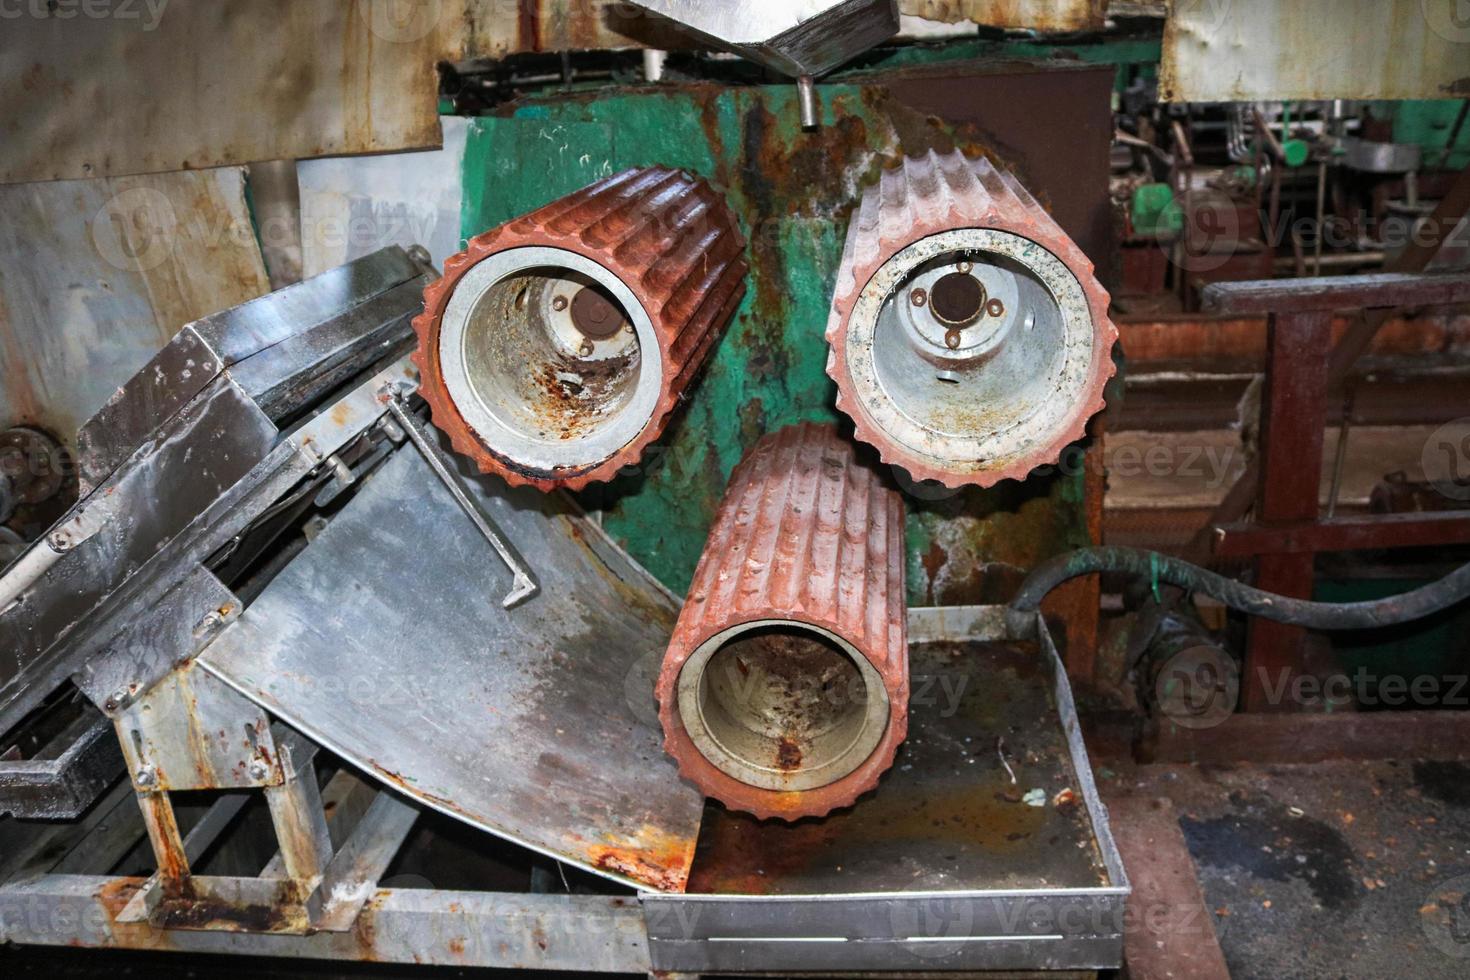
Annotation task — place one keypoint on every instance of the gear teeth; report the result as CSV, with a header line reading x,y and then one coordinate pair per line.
x,y
805,534
608,222
925,196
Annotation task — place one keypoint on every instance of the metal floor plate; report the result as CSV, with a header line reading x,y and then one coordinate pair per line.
x,y
948,816
385,642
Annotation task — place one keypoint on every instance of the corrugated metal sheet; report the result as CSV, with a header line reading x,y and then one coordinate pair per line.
x,y
1035,15
96,275
1243,50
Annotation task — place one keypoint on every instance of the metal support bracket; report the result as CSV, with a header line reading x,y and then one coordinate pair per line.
x,y
524,585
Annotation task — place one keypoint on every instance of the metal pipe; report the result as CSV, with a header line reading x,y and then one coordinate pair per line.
x,y
85,521
806,97
784,691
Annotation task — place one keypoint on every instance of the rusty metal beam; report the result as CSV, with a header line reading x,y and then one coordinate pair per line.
x,y
577,933
1327,293
1356,533
1292,413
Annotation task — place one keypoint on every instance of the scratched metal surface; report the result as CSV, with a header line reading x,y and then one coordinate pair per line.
x,y
947,816
385,642
97,275
1247,50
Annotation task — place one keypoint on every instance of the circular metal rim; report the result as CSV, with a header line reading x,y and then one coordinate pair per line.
x,y
507,440
867,741
1000,445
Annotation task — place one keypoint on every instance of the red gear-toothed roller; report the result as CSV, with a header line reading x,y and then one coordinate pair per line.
x,y
970,341
785,689
554,348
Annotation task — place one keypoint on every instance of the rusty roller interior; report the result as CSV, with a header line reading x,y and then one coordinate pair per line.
x,y
784,692
555,346
970,341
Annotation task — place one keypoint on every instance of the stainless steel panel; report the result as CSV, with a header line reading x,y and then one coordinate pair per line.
x,y
252,327
174,478
191,731
985,847
151,645
164,385
384,642
97,275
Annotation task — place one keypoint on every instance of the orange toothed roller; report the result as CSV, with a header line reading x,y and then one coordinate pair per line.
x,y
554,348
785,688
969,338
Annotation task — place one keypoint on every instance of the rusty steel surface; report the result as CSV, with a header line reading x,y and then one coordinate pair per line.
x,y
1252,50
982,734
796,615
1017,396
671,245
1047,16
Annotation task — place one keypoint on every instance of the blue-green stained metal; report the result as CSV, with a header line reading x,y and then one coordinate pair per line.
x,y
792,190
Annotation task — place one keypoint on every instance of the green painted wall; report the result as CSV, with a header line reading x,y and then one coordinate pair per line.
x,y
792,191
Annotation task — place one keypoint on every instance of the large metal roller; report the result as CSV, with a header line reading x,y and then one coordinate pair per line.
x,y
555,346
784,692
970,341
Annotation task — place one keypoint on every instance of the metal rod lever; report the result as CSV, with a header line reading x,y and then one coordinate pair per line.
x,y
525,584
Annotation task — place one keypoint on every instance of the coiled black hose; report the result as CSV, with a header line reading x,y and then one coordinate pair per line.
x,y
1388,611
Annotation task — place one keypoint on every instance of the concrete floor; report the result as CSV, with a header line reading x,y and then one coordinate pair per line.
x,y
1326,870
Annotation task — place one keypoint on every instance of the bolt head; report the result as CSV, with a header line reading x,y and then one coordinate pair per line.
x,y
258,770
146,776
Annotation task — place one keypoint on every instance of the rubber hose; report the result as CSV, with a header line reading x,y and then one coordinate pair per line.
x,y
1389,611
